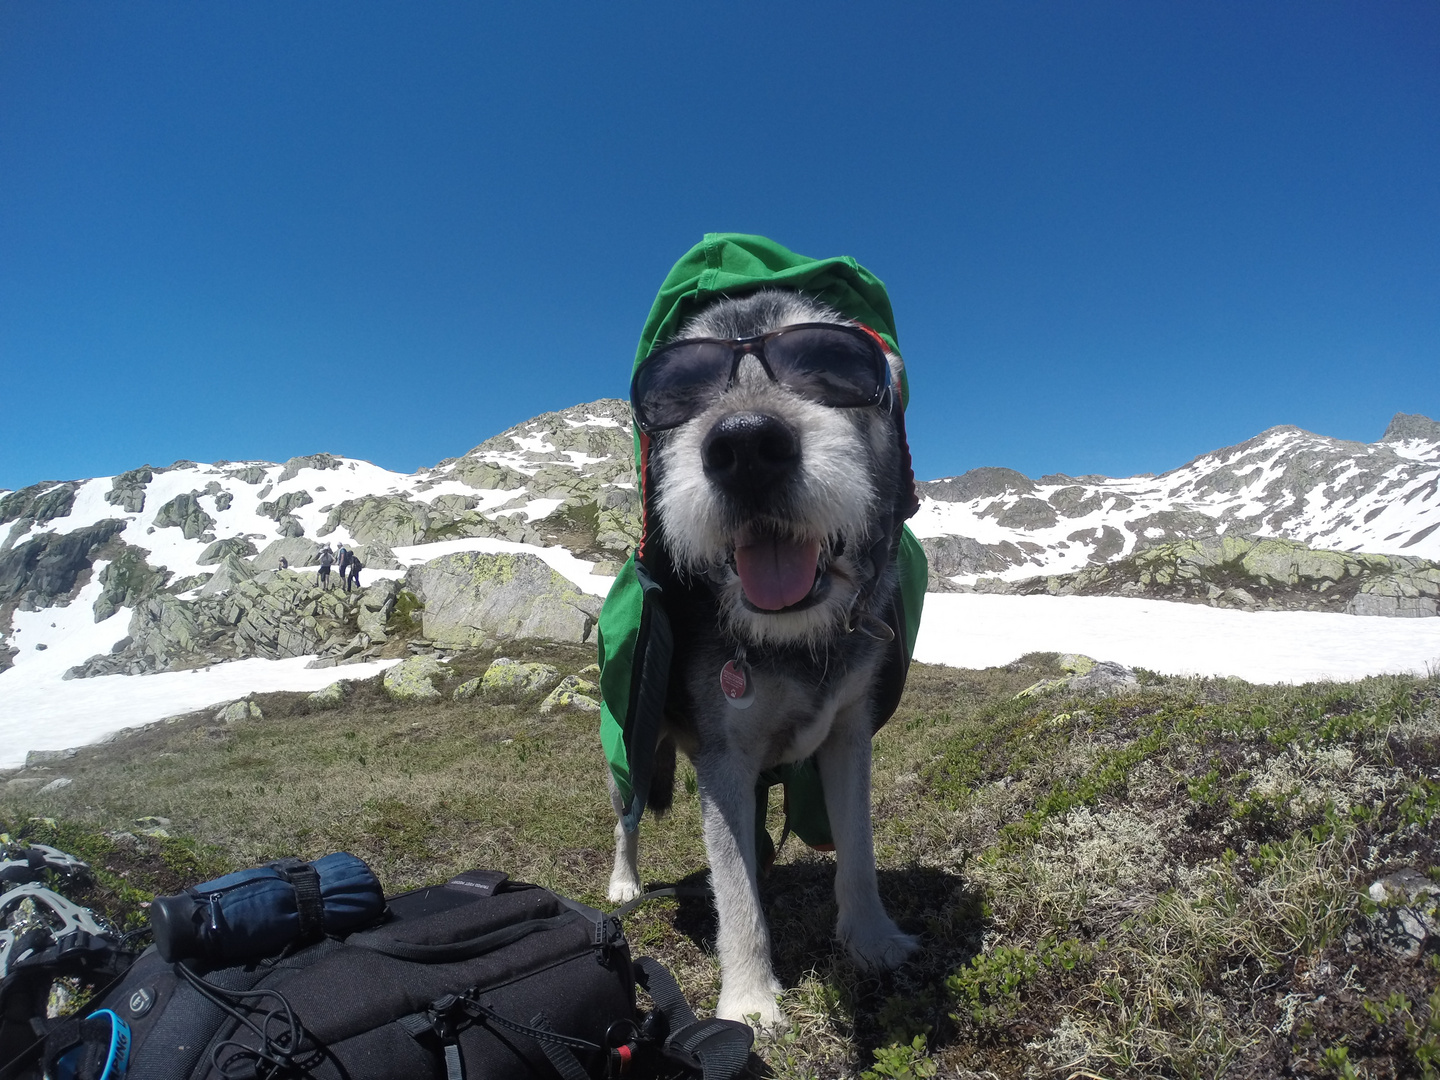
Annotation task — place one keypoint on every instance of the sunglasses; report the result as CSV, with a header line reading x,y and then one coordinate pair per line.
x,y
843,367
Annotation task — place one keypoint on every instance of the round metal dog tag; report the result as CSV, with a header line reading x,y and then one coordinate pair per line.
x,y
736,685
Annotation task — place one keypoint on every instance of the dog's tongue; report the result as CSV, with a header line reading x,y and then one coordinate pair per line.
x,y
777,573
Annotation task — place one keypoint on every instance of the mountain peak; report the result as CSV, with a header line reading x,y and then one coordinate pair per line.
x,y
1411,426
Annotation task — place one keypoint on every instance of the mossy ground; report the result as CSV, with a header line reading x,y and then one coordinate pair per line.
x,y
1168,882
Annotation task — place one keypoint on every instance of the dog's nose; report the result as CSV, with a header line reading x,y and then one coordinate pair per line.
x,y
746,453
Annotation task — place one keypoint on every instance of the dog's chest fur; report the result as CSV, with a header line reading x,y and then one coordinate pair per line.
x,y
797,693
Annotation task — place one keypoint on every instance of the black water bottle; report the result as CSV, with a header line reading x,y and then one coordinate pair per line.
x,y
256,913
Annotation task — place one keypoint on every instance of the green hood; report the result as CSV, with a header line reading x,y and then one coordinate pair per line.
x,y
724,264
733,264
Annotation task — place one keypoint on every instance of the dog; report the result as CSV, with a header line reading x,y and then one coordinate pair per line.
x,y
775,511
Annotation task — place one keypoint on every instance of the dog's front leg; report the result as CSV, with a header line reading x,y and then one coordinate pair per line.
x,y
869,935
625,877
727,805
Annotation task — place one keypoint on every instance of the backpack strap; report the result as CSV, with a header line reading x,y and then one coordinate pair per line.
x,y
654,894
449,1015
717,1049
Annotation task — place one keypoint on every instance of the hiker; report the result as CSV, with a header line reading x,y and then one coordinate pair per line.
x,y
284,563
351,574
326,559
342,556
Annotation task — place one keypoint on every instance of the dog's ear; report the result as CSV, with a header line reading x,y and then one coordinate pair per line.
x,y
897,368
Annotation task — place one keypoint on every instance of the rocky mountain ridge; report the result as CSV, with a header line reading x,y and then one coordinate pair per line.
x,y
516,538
1329,494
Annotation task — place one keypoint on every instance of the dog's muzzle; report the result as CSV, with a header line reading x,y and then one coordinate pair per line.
x,y
749,456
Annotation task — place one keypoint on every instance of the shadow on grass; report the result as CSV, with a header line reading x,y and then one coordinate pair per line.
x,y
944,911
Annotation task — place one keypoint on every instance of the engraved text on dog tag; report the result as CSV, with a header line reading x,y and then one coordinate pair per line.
x,y
736,685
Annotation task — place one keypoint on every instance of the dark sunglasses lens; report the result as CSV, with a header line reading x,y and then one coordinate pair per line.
x,y
832,366
678,383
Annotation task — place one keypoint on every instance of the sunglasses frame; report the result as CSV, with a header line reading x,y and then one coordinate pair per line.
x,y
755,346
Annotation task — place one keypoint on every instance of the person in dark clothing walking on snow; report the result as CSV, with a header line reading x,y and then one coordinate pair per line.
x,y
351,574
326,560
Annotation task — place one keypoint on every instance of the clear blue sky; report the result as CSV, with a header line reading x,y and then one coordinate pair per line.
x,y
1116,235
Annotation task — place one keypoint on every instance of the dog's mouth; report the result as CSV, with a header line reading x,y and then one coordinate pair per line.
x,y
779,572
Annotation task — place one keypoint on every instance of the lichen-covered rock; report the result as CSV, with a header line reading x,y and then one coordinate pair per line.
x,y
284,505
1084,673
509,680
573,693
471,598
1409,915
413,680
127,580
239,710
467,690
331,697
391,520
297,551
377,556
1408,597
1254,573
231,571
46,569
230,545
375,607
39,503
184,512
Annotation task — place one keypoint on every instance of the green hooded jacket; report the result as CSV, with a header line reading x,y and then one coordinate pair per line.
x,y
633,633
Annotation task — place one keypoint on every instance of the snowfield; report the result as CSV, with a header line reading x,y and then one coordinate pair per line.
x,y
977,630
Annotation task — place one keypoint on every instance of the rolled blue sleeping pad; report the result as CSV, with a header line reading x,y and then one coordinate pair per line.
x,y
256,913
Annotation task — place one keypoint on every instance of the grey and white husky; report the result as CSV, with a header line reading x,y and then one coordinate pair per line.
x,y
775,510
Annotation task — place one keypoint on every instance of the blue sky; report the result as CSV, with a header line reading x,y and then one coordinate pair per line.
x,y
1116,235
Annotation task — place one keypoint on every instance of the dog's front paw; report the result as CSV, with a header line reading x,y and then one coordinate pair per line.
x,y
758,1007
877,945
622,888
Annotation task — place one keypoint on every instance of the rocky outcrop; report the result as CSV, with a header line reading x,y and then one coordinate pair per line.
x,y
391,520
295,550
375,607
231,572
127,490
309,461
1254,573
284,505
950,556
231,545
184,512
39,503
274,616
252,473
471,599
983,483
1409,426
377,556
46,569
127,580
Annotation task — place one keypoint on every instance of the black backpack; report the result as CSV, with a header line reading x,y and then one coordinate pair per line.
x,y
478,978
